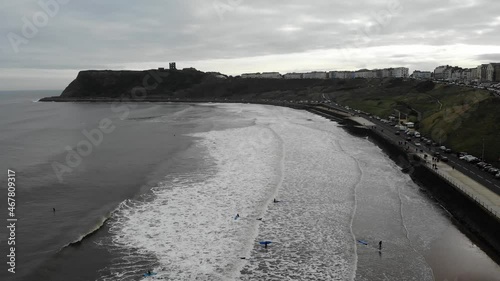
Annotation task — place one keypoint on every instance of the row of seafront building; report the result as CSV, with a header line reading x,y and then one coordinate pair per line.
x,y
398,72
483,73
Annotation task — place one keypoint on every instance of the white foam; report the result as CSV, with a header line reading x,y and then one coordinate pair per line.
x,y
189,226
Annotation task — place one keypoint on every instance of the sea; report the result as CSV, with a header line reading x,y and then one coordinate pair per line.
x,y
112,191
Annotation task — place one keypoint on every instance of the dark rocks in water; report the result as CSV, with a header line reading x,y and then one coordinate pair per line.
x,y
405,170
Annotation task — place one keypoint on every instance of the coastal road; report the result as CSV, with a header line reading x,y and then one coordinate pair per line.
x,y
468,169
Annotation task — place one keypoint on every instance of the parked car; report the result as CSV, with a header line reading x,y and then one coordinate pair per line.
x,y
492,170
448,150
481,164
397,133
485,168
417,144
460,154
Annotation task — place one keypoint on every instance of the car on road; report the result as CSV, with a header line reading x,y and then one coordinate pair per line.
x,y
443,158
408,138
417,144
448,150
397,133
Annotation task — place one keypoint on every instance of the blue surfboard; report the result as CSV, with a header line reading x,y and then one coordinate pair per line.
x,y
363,242
149,274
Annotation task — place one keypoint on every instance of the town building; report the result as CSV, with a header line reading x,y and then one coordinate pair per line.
x,y
294,75
493,72
482,72
316,75
364,73
467,75
172,66
400,72
264,75
250,75
439,72
271,75
341,74
421,75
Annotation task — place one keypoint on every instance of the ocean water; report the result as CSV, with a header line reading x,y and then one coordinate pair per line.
x,y
187,191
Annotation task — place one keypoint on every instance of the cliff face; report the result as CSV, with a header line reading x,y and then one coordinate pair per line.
x,y
106,83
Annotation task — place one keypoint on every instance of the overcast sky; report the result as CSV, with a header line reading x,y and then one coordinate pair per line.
x,y
44,48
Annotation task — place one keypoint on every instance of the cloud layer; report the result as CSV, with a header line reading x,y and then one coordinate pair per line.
x,y
235,36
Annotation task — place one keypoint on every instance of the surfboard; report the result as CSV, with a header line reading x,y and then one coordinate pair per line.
x,y
149,274
363,242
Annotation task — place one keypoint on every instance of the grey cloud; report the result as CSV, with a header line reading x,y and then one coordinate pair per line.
x,y
486,58
100,34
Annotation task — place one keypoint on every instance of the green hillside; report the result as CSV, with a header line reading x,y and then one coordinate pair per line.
x,y
458,117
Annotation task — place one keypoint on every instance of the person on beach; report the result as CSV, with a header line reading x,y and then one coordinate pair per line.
x,y
380,245
53,210
237,216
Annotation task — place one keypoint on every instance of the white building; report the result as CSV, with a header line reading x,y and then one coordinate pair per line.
x,y
400,72
271,75
316,75
294,75
466,75
493,72
439,72
341,74
421,75
457,74
365,73
250,75
264,75
482,72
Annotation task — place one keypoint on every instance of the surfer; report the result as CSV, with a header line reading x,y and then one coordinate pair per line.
x,y
275,201
53,210
237,216
149,272
380,245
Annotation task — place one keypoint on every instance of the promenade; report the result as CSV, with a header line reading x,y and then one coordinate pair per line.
x,y
483,196
489,200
